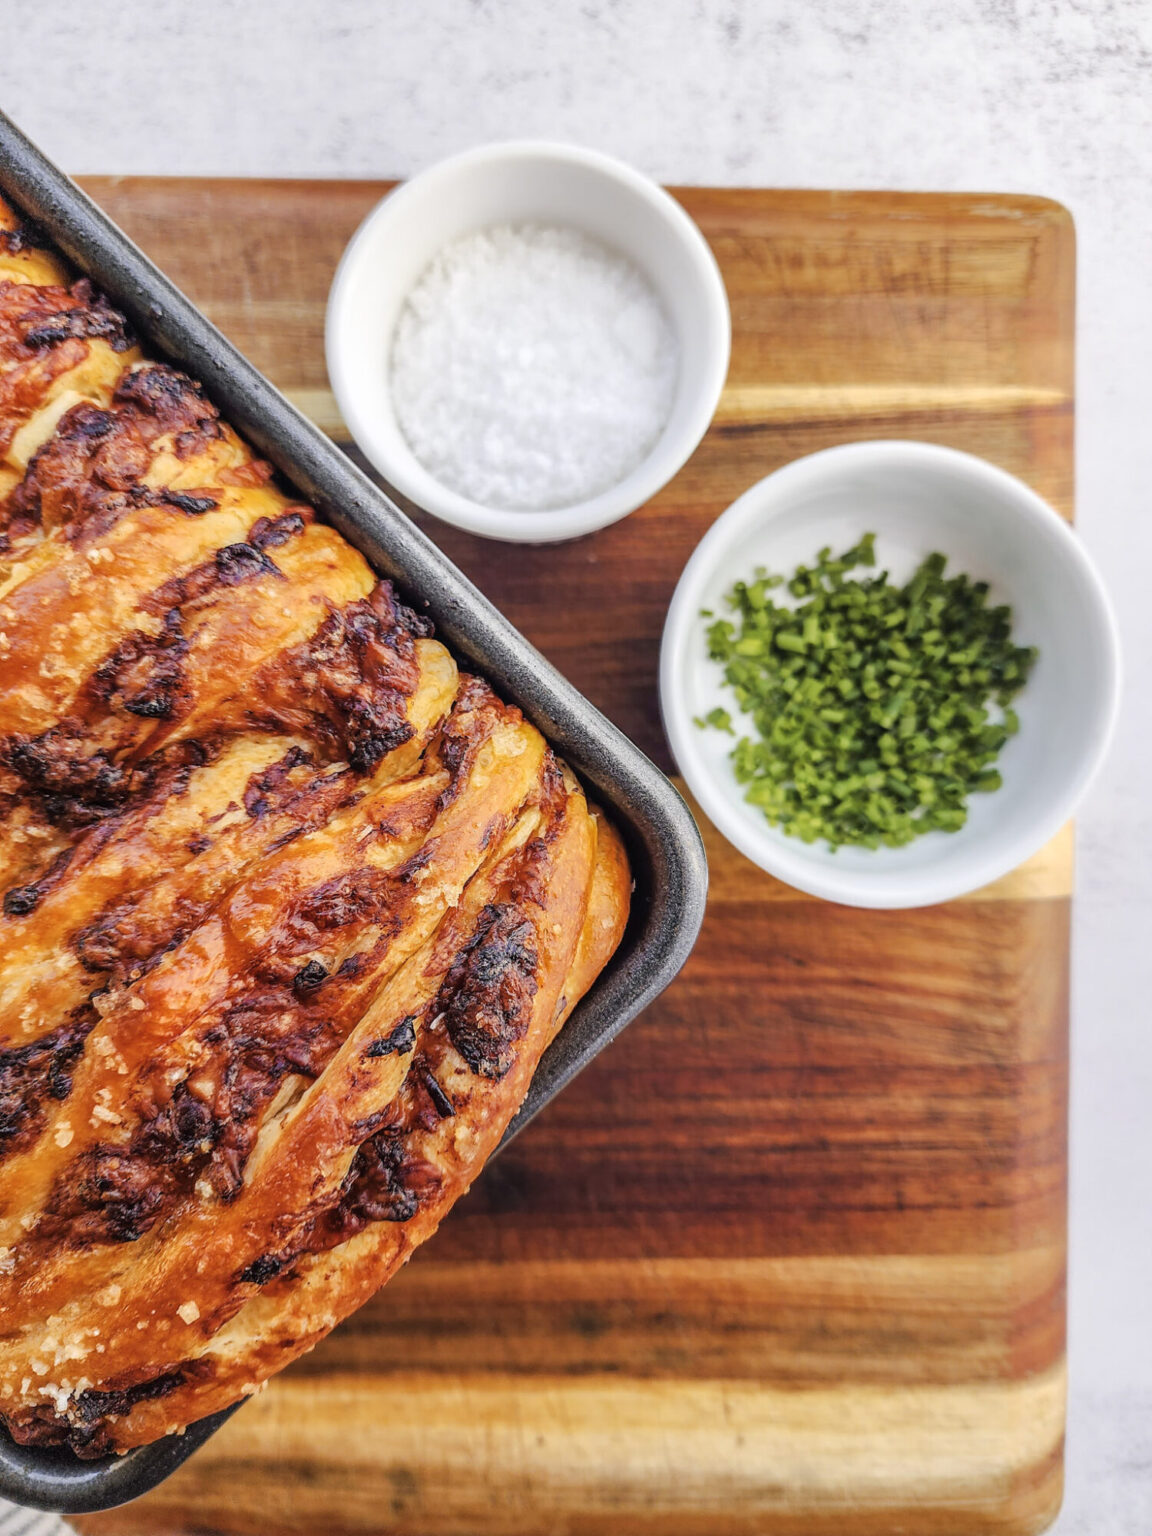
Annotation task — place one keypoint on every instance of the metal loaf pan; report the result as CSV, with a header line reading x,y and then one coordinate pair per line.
x,y
671,873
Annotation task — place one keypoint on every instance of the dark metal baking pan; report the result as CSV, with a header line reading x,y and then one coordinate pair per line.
x,y
670,869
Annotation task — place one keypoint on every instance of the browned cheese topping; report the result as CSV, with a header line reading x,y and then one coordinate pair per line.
x,y
290,907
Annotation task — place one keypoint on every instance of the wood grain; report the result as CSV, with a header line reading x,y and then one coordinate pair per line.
x,y
789,1257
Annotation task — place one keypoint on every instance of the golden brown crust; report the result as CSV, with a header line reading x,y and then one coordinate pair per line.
x,y
290,907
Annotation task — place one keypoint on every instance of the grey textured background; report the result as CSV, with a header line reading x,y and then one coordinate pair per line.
x,y
1046,96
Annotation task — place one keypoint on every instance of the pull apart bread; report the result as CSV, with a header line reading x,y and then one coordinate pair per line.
x,y
291,906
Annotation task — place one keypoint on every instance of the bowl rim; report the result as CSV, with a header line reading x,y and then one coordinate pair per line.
x,y
407,476
885,888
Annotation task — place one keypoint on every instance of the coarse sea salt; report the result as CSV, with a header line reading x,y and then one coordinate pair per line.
x,y
532,367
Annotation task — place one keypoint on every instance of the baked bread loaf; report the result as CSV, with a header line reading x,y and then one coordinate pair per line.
x,y
291,907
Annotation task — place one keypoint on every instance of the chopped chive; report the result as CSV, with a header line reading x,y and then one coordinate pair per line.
x,y
871,702
718,718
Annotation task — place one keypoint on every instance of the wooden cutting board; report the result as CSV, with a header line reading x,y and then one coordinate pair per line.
x,y
789,1257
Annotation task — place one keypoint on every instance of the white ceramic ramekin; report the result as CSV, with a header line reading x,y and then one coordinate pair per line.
x,y
917,498
523,182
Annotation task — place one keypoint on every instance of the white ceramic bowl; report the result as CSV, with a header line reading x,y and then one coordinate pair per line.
x,y
917,498
522,183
